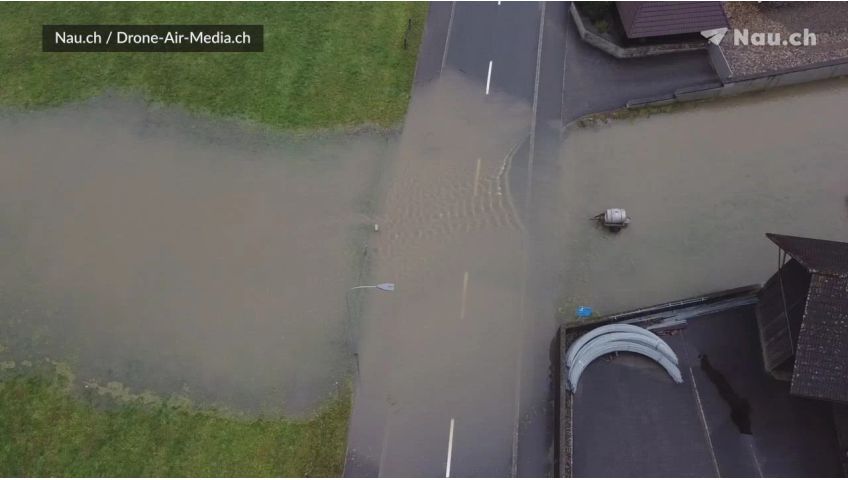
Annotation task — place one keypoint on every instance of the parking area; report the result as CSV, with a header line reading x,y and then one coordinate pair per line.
x,y
598,82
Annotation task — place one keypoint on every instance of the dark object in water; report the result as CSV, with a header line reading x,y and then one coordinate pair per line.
x,y
614,219
740,409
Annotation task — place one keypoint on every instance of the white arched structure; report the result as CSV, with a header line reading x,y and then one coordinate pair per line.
x,y
578,344
618,338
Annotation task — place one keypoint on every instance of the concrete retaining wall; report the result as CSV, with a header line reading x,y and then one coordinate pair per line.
x,y
563,446
719,62
602,43
752,83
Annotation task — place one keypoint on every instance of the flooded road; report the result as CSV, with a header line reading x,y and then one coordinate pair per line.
x,y
702,185
443,348
181,256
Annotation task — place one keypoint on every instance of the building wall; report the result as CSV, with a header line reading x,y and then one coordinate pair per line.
x,y
785,291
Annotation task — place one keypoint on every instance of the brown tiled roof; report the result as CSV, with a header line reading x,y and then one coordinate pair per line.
x,y
653,19
821,355
821,359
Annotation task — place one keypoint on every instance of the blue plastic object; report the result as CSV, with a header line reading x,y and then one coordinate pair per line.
x,y
584,312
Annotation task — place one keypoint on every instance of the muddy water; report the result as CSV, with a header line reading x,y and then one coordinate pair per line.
x,y
702,186
180,256
451,175
445,343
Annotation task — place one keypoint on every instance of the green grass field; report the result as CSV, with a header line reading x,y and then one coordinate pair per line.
x,y
325,65
46,432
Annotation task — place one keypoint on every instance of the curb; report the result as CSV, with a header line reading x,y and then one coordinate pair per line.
x,y
689,308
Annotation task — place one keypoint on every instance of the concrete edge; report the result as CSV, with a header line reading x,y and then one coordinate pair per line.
x,y
785,71
667,309
617,51
719,62
564,445
656,100
738,86
730,86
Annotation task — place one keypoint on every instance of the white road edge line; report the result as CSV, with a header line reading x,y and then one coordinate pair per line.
x,y
532,151
447,38
477,177
704,422
532,148
489,77
450,451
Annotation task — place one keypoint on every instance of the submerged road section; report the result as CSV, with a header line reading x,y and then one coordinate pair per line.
x,y
454,374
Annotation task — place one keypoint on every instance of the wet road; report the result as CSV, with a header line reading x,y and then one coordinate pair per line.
x,y
454,364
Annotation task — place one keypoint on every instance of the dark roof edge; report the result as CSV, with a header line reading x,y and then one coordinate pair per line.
x,y
786,243
778,237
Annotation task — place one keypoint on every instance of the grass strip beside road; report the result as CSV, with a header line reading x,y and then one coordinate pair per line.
x,y
47,431
325,65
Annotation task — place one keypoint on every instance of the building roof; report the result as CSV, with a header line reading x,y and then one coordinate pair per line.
x,y
817,256
653,19
821,355
821,358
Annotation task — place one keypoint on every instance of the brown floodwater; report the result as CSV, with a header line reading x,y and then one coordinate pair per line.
x,y
445,343
182,256
702,185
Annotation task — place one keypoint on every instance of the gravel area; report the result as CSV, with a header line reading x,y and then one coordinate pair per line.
x,y
824,19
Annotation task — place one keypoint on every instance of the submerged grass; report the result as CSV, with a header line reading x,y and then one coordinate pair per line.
x,y
48,431
603,118
325,65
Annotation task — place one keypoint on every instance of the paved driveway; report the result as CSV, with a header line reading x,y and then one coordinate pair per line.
x,y
598,82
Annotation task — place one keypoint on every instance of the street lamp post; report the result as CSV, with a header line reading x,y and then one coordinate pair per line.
x,y
385,287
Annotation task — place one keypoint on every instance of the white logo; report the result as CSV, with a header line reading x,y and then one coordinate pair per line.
x,y
714,35
761,39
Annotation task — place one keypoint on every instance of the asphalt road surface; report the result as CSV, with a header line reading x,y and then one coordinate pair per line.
x,y
454,364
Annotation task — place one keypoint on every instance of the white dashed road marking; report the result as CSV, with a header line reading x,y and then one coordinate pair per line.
x,y
450,451
489,77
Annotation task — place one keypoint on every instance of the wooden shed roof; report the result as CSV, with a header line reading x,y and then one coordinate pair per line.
x,y
653,19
